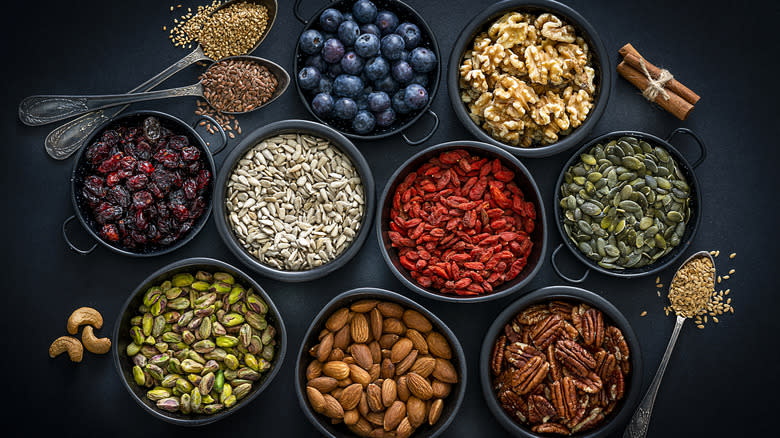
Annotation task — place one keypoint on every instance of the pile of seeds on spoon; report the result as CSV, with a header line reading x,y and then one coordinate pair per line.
x,y
692,292
238,85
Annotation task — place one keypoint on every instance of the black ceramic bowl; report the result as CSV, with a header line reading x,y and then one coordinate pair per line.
x,y
402,122
690,229
633,384
451,403
121,338
524,181
292,127
178,127
601,63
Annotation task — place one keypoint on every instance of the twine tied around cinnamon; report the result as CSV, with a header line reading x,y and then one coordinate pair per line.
x,y
655,86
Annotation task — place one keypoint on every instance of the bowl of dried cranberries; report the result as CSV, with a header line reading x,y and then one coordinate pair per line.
x,y
142,185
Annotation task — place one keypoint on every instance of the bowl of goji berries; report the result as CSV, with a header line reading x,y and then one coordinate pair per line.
x,y
462,221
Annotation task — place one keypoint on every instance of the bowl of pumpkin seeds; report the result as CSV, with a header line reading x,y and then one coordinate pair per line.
x,y
627,204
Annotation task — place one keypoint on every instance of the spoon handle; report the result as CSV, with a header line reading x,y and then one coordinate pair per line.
x,y
66,139
640,422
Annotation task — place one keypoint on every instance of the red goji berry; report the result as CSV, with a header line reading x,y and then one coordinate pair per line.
x,y
477,266
504,175
478,190
406,263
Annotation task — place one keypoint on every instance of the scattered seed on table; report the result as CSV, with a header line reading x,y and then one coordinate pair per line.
x,y
732,255
644,312
732,271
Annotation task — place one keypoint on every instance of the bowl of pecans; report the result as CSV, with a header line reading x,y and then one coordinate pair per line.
x,y
462,221
375,363
561,360
294,200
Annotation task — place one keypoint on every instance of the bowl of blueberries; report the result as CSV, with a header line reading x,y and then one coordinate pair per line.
x,y
367,68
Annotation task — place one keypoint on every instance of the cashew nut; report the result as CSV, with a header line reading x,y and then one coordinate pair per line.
x,y
84,315
92,343
69,344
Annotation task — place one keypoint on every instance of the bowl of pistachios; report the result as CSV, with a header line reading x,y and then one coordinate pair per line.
x,y
196,341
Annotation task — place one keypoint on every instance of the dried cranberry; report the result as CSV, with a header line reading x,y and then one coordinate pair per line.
x,y
124,173
90,197
110,164
194,167
110,138
176,179
140,220
180,212
177,198
138,237
107,212
142,199
128,163
190,189
137,182
163,211
110,232
145,167
190,153
178,142
112,179
119,196
155,190
186,227
152,233
168,158
163,179
203,178
97,152
94,184
143,151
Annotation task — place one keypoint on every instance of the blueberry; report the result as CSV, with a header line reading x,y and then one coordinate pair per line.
x,y
330,20
410,33
415,96
386,21
370,28
311,42
386,84
332,51
364,122
309,78
385,118
377,68
392,46
347,85
364,11
367,45
399,105
317,62
378,101
421,79
322,104
348,32
422,60
351,63
402,72
326,85
345,108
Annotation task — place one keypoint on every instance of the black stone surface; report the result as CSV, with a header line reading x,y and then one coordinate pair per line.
x,y
720,381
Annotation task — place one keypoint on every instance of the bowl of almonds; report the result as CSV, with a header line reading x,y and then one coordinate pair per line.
x,y
375,363
563,361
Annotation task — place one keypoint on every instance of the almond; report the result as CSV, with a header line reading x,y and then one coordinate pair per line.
x,y
351,417
342,338
362,355
314,370
337,319
375,319
332,407
394,414
336,369
336,354
363,306
388,339
435,412
374,398
376,352
359,375
403,366
362,428
415,320
419,386
441,389
324,348
376,418
404,429
400,350
359,329
323,384
390,310
394,326
439,346
374,372
316,400
416,411
350,397
343,383
423,366
363,404
388,392
388,369
445,371
402,388
349,360
418,340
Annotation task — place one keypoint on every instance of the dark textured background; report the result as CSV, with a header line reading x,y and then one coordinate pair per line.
x,y
720,380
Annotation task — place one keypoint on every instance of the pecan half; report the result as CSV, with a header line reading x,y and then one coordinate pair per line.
x,y
539,409
555,368
569,332
551,428
594,418
497,358
574,356
589,382
518,354
605,364
514,332
561,308
617,385
593,328
546,332
531,375
533,315
513,404
579,413
564,398
615,343
576,315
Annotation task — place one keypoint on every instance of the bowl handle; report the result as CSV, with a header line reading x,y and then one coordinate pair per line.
x,y
219,128
699,142
428,135
560,273
298,14
69,243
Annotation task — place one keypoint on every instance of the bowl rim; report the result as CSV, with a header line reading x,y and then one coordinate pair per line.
x,y
431,93
340,142
634,384
605,74
353,295
185,263
541,220
666,261
81,215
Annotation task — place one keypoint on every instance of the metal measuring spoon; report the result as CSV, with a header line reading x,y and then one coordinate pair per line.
x,y
43,109
640,422
63,141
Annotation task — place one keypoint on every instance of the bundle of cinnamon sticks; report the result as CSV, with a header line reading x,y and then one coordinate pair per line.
x,y
675,97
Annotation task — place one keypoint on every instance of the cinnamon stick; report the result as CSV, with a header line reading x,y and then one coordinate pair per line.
x,y
676,105
632,57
